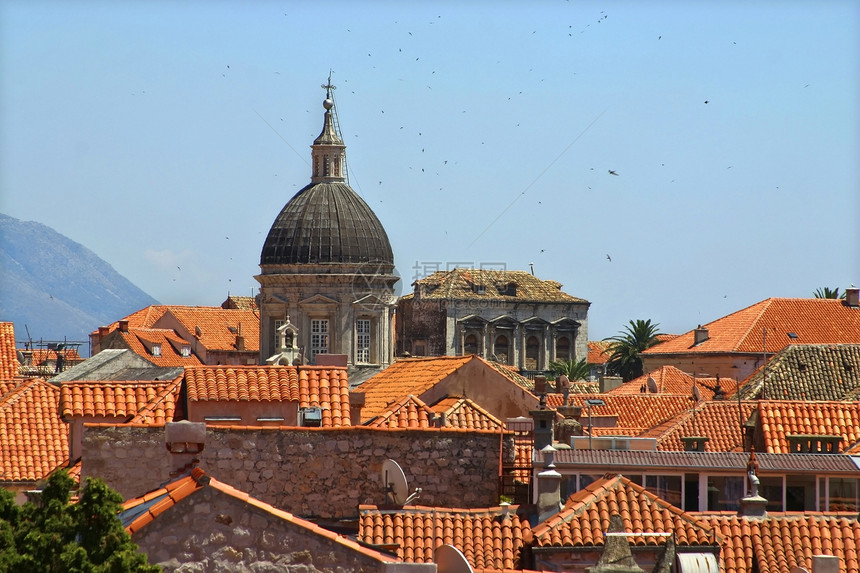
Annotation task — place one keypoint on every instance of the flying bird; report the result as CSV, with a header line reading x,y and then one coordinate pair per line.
x,y
611,172
608,258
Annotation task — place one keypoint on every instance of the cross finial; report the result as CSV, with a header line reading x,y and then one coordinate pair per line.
x,y
328,87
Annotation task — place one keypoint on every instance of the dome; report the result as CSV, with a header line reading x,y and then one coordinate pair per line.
x,y
326,222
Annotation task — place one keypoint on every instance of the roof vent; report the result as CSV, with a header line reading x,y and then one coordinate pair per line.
x,y
310,417
700,334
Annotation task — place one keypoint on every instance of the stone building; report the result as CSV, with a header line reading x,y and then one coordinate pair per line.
x,y
327,267
511,317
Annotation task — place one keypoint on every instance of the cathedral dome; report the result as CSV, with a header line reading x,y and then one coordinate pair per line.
x,y
326,222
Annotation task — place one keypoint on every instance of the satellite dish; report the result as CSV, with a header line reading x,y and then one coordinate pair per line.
x,y
697,395
394,482
652,385
449,559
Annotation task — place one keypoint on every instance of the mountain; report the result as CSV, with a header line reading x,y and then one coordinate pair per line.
x,y
58,288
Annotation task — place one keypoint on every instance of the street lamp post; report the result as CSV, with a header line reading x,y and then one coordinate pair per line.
x,y
589,403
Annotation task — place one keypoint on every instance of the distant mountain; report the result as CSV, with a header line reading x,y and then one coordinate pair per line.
x,y
58,288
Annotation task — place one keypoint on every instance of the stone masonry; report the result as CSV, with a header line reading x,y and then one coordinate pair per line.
x,y
310,472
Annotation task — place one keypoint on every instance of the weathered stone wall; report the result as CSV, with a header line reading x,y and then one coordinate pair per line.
x,y
310,472
212,531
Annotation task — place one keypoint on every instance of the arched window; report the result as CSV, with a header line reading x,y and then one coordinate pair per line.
x,y
532,351
500,349
470,344
562,348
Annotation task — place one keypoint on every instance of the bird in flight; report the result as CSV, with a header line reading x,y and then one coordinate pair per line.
x,y
611,172
608,258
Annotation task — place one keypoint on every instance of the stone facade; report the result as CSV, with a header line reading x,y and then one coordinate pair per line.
x,y
318,473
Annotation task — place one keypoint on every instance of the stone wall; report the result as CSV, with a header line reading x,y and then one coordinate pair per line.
x,y
311,472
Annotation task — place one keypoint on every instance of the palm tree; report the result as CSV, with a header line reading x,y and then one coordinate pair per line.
x,y
573,369
626,346
827,292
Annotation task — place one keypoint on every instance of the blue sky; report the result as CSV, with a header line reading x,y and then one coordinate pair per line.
x,y
167,136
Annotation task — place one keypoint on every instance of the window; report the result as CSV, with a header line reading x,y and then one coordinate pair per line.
x,y
319,337
185,351
470,345
562,348
156,350
276,343
725,492
362,340
841,495
500,349
667,488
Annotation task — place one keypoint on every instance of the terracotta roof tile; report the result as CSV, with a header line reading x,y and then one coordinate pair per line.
x,y
163,408
486,538
634,410
671,380
240,303
144,341
808,372
218,327
318,386
781,541
121,399
585,517
781,418
597,351
464,413
719,421
33,439
404,377
8,354
457,284
410,412
813,320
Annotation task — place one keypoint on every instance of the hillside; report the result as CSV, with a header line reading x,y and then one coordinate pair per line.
x,y
56,287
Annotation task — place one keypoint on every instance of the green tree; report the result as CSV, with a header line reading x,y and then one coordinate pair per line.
x,y
827,292
573,369
625,348
55,535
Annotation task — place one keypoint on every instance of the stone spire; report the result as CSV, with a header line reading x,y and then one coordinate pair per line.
x,y
328,152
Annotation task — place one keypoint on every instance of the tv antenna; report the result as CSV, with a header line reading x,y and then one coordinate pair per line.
x,y
449,559
396,488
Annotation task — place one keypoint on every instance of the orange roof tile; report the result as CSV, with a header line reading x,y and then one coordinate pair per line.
x,y
463,413
404,377
487,538
240,302
813,320
586,514
33,439
781,418
141,511
143,318
634,410
319,386
118,399
410,412
719,421
458,284
597,351
8,354
142,342
780,541
42,355
218,327
670,380
163,408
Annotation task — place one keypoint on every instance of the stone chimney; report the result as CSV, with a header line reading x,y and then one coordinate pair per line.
x,y
608,383
694,443
123,326
356,404
185,441
700,334
852,297
540,385
240,340
544,431
548,487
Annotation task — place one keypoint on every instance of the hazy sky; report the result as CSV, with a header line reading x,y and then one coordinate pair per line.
x,y
710,149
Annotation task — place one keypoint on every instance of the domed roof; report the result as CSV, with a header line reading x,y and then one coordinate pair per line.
x,y
326,222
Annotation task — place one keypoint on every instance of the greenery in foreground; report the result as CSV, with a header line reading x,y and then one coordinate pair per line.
x,y
58,536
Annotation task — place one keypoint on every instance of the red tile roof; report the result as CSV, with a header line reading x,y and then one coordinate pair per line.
x,y
463,413
586,514
163,408
8,354
458,284
634,410
320,386
218,326
409,412
719,421
670,380
40,356
141,511
141,341
597,351
780,418
813,320
33,439
119,399
404,377
486,538
781,541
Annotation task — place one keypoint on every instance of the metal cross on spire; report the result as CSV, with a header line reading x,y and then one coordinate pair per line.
x,y
328,87
329,94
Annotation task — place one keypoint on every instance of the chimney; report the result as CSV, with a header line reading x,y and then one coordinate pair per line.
x,y
607,383
356,403
694,443
103,331
548,487
123,326
540,384
185,441
544,431
700,334
852,297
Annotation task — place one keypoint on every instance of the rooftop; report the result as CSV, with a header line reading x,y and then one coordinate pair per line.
x,y
486,284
